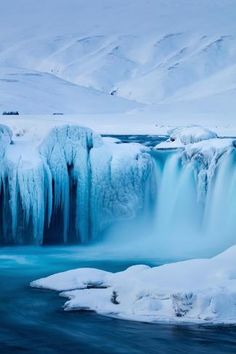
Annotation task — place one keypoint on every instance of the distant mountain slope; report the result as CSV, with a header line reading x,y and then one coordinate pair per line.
x,y
149,51
31,92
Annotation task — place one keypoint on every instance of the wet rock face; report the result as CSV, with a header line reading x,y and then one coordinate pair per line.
x,y
182,303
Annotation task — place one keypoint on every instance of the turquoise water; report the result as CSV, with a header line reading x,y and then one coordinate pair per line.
x,y
33,321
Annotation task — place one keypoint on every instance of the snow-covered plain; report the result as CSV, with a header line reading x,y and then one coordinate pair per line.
x,y
202,291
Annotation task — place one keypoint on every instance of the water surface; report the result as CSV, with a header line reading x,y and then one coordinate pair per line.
x,y
33,321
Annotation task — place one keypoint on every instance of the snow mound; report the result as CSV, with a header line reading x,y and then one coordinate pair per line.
x,y
182,136
192,134
201,290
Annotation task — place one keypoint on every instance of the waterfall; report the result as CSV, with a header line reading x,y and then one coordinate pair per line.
x,y
220,209
177,207
75,188
195,210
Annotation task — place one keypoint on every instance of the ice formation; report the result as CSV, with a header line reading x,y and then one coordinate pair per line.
x,y
191,134
202,290
70,187
182,136
195,193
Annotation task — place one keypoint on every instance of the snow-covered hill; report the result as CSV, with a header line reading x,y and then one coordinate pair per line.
x,y
166,54
31,92
193,291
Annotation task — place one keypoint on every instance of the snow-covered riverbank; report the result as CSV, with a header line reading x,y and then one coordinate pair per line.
x,y
201,290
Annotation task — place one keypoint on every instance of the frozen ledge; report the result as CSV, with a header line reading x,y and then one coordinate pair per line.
x,y
182,136
45,176
201,291
195,141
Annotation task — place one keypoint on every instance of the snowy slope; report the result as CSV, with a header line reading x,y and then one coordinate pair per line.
x,y
165,53
30,92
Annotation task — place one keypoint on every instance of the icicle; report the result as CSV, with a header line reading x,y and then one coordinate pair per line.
x,y
108,182
118,179
67,148
32,196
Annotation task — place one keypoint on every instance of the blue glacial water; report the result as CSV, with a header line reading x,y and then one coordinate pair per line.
x,y
33,321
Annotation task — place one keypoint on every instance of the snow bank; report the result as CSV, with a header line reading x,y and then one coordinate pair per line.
x,y
201,290
182,136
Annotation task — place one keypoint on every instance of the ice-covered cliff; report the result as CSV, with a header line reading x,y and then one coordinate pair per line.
x,y
195,193
193,213
69,186
66,184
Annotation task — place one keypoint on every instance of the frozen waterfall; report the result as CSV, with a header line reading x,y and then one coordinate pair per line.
x,y
72,186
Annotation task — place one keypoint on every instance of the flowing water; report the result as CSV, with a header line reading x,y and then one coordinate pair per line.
x,y
33,321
